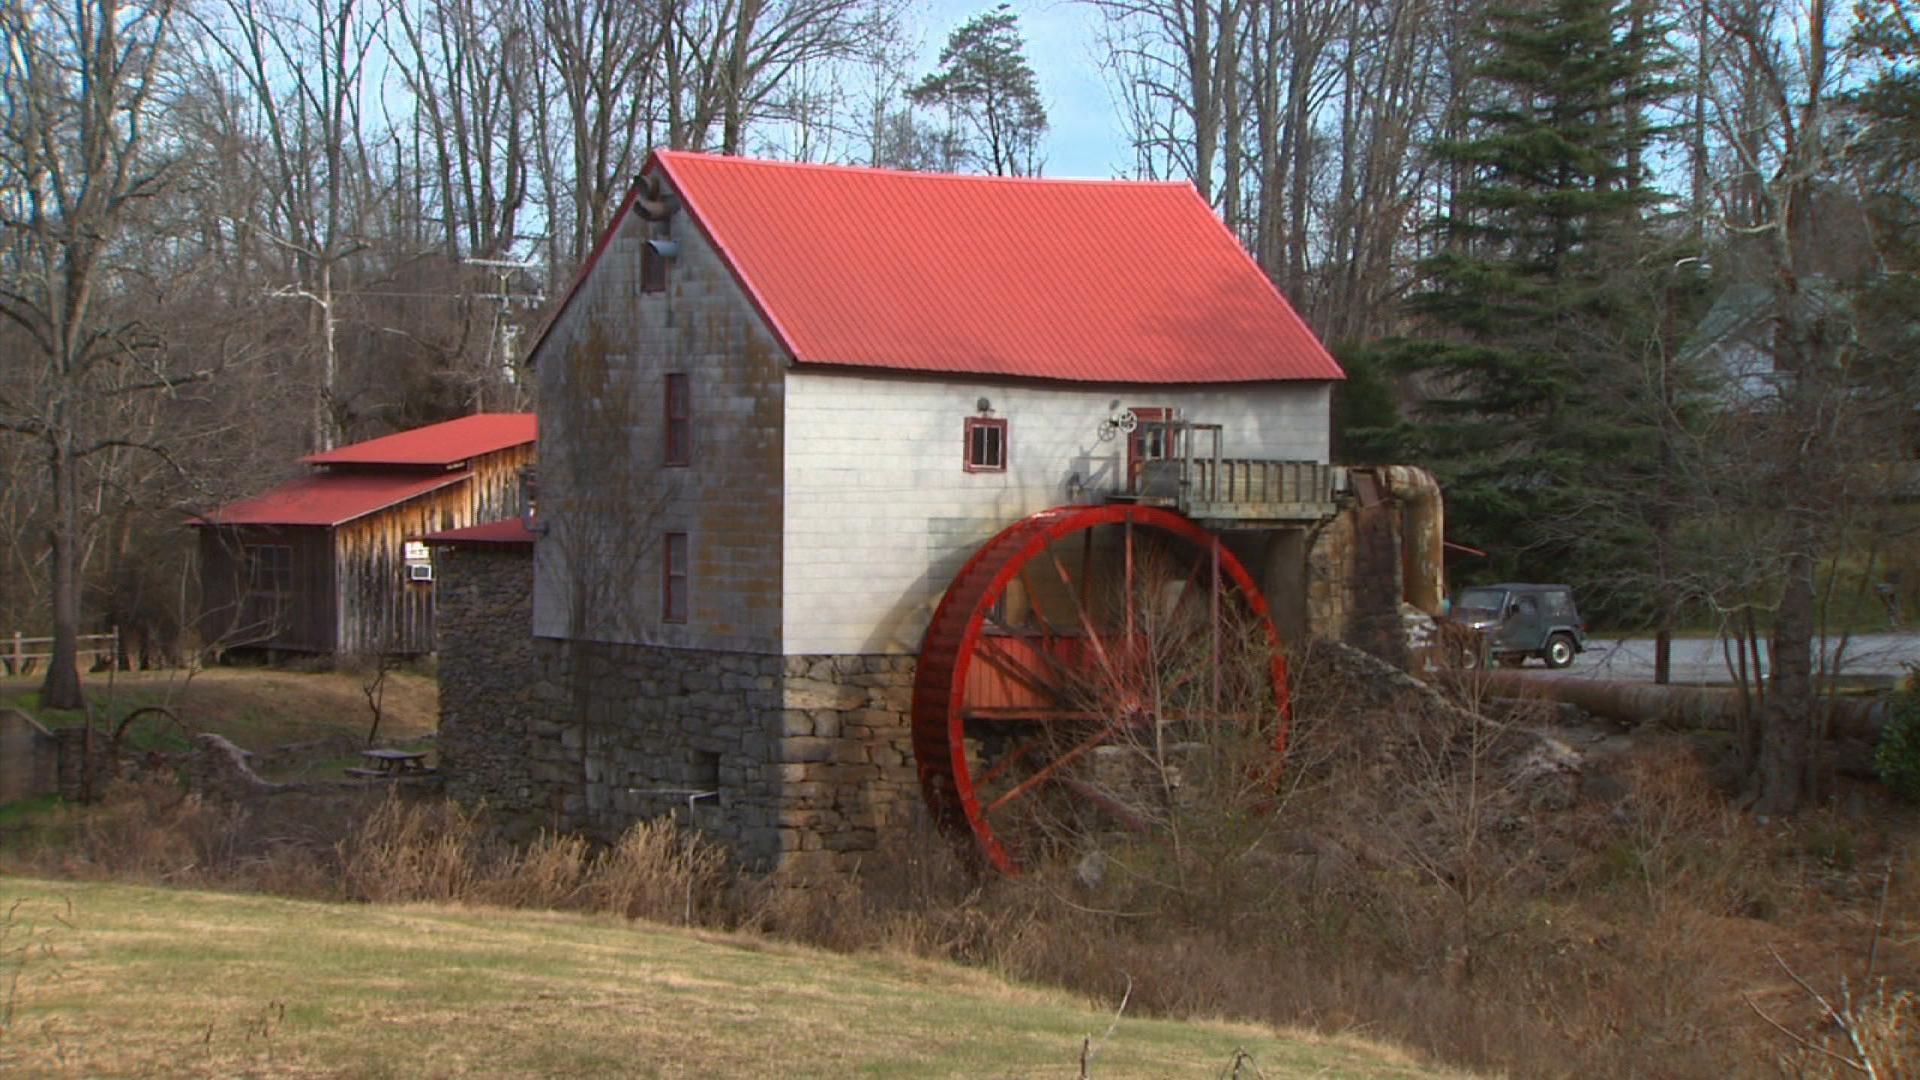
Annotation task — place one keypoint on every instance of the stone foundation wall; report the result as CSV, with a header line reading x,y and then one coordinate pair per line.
x,y
1354,579
802,762
629,732
484,602
845,758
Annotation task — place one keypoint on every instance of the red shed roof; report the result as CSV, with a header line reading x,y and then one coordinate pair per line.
x,y
329,499
443,444
510,531
1077,280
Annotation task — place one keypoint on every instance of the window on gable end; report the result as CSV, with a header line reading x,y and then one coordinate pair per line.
x,y
653,268
986,444
679,420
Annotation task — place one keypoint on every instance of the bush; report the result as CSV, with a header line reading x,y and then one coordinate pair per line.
x,y
1897,760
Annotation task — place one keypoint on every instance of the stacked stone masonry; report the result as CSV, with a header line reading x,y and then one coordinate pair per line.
x,y
801,762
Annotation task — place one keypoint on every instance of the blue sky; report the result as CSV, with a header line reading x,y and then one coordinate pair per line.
x,y
1085,139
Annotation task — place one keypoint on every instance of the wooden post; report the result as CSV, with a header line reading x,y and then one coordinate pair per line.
x,y
19,655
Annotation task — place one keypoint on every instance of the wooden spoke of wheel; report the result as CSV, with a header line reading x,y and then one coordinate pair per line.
x,y
1006,712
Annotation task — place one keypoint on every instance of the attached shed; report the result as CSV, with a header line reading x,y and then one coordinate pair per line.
x,y
330,563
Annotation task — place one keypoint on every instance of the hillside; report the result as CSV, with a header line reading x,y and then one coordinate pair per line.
x,y
111,979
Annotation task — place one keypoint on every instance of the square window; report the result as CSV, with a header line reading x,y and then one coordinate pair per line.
x,y
673,578
679,420
269,569
986,444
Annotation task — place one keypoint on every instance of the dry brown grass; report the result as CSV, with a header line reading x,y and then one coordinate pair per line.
x,y
129,981
257,708
1405,885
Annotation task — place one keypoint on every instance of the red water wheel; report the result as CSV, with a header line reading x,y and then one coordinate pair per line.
x,y
1074,663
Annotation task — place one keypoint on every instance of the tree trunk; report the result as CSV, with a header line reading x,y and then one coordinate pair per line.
x,y
61,688
1785,752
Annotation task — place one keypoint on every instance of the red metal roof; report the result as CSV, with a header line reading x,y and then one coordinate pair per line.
x,y
510,531
1080,280
447,443
329,498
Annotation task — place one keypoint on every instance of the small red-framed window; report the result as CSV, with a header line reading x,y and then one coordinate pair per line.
x,y
986,444
674,582
653,268
679,420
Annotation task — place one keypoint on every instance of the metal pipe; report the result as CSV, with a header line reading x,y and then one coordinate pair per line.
x,y
1714,708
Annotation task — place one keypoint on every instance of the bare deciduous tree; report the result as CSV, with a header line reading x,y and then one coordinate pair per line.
x,y
82,85
304,64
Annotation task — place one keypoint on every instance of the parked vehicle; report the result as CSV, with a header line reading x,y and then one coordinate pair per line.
x,y
1512,622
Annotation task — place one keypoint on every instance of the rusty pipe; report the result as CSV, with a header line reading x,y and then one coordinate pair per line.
x,y
1714,708
1423,528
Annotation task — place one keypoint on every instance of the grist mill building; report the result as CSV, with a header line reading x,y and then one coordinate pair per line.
x,y
844,473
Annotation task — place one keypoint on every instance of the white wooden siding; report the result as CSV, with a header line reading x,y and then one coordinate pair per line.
x,y
880,513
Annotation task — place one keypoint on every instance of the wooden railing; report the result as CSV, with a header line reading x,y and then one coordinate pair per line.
x,y
20,654
1205,485
1242,489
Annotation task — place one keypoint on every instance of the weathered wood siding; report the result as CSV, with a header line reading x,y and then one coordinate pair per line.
x,y
350,593
381,611
881,513
607,495
494,491
232,616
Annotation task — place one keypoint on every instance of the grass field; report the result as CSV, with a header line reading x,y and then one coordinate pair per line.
x,y
257,708
118,980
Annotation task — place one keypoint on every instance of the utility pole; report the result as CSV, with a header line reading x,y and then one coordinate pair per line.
x,y
501,333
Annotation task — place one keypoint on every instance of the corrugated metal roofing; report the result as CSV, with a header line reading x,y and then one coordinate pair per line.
x,y
510,531
329,498
446,443
1080,280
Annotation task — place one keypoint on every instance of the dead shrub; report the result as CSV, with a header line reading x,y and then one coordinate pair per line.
x,y
662,873
142,830
549,873
409,851
1671,842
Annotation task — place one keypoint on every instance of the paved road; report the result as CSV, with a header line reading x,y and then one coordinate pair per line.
x,y
1700,660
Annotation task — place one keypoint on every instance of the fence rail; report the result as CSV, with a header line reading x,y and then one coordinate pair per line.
x,y
20,654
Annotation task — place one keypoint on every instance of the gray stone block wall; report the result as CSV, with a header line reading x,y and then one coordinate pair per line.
x,y
488,711
629,732
845,758
808,757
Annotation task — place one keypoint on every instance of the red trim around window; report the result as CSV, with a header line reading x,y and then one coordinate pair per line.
x,y
984,445
679,420
674,582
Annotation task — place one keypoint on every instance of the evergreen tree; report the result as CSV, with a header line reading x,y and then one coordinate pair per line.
x,y
986,84
1530,305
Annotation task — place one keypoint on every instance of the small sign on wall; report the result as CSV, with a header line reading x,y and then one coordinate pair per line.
x,y
419,561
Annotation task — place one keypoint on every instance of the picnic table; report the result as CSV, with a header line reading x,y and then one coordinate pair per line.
x,y
388,764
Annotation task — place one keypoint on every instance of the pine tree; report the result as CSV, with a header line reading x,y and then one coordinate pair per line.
x,y
1526,302
985,82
